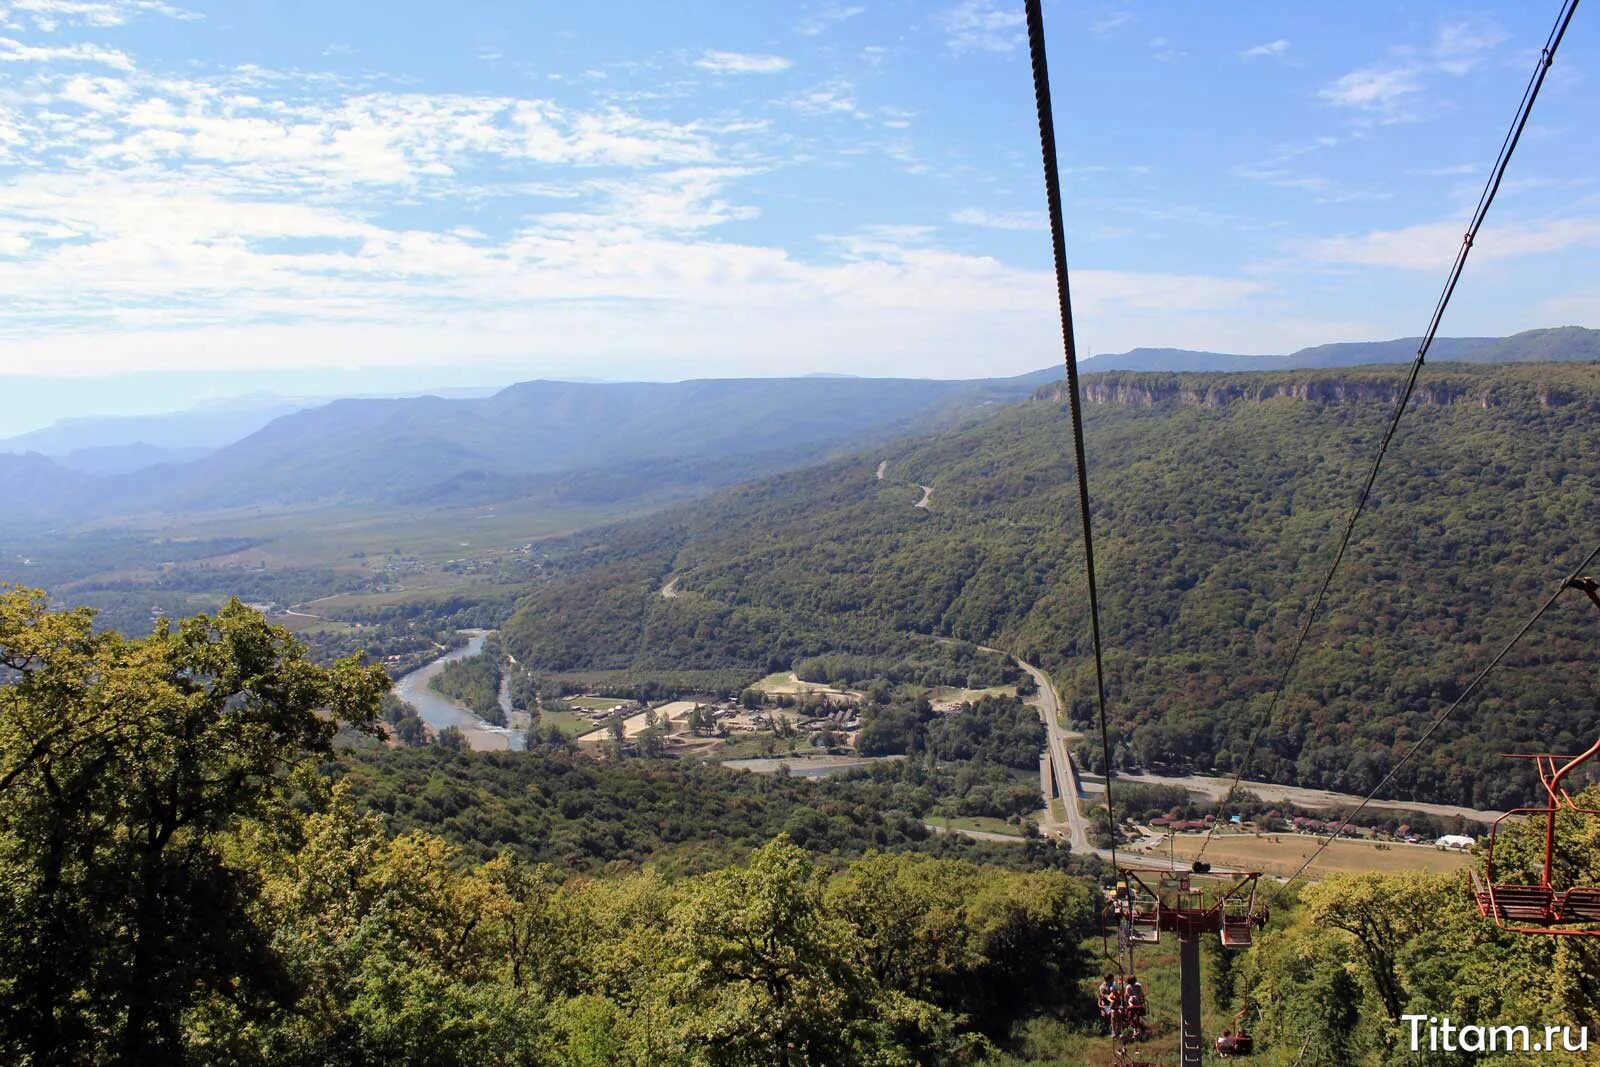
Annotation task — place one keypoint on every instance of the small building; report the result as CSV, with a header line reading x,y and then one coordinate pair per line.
x,y
1458,842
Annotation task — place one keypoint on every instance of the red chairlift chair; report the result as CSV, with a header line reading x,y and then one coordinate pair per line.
x,y
1542,908
1237,1042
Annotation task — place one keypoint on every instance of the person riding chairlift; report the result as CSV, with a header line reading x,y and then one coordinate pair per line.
x,y
1232,1044
1110,1001
1134,1004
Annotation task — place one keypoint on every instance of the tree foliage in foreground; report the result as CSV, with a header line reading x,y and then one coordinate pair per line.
x,y
124,766
1349,957
176,887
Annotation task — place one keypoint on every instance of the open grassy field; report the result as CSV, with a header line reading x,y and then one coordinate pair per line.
x,y
333,535
594,703
944,694
568,723
1282,854
975,822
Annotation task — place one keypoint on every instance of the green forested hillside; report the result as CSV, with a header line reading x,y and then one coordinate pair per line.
x,y
1218,498
180,885
177,886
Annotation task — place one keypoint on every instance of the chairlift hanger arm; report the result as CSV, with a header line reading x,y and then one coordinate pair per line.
x,y
1588,585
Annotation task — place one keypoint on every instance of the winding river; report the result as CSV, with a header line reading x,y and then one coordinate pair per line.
x,y
439,711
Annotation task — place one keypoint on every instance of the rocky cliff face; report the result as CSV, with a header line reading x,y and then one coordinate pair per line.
x,y
1218,390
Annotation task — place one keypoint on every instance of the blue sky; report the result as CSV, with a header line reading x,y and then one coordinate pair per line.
x,y
202,198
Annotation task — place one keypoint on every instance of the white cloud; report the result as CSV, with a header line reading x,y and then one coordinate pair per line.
x,y
49,15
1115,20
1001,220
1372,89
1432,246
1459,46
984,26
16,52
742,63
831,98
825,18
1383,88
267,219
1270,48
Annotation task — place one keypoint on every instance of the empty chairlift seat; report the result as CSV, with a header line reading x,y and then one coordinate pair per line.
x,y
1544,907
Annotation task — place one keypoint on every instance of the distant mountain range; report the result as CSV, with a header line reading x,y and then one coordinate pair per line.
x,y
117,444
573,441
588,442
1562,344
159,437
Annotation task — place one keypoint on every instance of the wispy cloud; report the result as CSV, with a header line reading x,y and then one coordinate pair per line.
x,y
1459,46
1114,21
1387,89
1431,246
1373,88
825,18
1270,48
984,26
155,220
1000,220
830,98
49,15
16,52
742,63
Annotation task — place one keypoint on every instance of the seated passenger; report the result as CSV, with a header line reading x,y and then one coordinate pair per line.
x,y
1135,997
1227,1045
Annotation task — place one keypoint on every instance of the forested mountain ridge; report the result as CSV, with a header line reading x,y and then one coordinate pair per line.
x,y
1214,522
581,442
1364,385
538,438
1553,344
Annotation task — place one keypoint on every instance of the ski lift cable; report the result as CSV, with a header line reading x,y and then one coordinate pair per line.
x,y
1058,241
1491,187
1570,582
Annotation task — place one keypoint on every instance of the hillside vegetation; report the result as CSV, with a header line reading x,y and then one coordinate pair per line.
x,y
1217,501
180,885
1556,344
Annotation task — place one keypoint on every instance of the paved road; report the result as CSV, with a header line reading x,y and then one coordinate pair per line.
x,y
1217,788
1056,764
1057,759
978,835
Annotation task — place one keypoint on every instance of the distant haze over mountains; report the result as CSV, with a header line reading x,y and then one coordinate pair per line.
x,y
566,441
1561,344
170,436
561,441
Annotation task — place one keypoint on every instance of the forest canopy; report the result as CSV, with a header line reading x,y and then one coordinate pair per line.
x,y
1216,501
